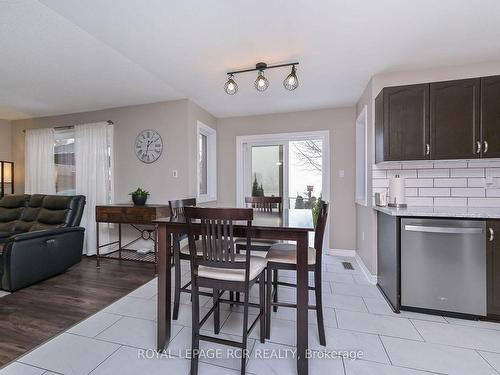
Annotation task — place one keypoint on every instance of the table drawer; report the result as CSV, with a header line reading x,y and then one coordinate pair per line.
x,y
134,215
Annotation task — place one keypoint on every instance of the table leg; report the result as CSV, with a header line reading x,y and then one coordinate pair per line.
x,y
164,290
302,304
120,241
97,243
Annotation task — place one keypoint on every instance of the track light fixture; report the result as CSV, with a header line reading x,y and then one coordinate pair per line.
x,y
291,82
230,86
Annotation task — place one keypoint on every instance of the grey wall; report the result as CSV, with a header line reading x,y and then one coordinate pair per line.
x,y
341,124
5,140
176,123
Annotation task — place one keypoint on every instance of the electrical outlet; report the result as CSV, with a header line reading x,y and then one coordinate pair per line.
x,y
175,173
341,173
362,236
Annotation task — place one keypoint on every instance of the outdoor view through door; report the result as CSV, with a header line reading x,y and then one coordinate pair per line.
x,y
289,169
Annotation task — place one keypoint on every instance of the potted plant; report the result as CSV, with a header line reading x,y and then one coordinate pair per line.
x,y
139,196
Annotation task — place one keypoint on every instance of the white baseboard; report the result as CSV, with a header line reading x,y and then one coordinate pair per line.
x,y
372,279
341,252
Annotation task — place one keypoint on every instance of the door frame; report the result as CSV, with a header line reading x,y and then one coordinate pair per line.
x,y
324,135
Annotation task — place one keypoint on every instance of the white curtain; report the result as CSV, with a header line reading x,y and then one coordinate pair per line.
x,y
93,161
39,162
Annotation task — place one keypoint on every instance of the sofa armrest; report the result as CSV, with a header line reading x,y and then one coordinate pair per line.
x,y
34,256
45,233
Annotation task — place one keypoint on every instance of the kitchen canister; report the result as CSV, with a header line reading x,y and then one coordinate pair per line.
x,y
397,196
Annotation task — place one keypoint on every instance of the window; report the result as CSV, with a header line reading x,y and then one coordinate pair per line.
x,y
64,159
207,174
361,145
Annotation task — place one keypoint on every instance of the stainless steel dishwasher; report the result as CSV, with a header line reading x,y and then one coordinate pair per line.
x,y
443,265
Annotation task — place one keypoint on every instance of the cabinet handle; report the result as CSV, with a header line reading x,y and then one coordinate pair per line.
x,y
485,147
427,149
479,146
492,235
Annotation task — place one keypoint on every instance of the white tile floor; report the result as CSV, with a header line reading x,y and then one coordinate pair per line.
x,y
357,318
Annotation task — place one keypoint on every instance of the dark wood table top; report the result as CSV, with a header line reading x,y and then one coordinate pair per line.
x,y
288,219
131,205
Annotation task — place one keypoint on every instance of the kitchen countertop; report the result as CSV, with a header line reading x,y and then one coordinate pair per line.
x,y
460,212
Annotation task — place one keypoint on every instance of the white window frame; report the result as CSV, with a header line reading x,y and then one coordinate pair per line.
x,y
211,135
361,187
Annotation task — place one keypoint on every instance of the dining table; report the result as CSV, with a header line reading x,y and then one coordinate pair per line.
x,y
285,225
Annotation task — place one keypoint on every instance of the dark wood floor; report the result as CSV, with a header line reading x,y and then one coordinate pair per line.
x,y
33,315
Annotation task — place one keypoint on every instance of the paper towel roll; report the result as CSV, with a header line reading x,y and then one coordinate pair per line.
x,y
397,188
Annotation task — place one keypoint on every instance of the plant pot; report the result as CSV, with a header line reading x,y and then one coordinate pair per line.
x,y
139,200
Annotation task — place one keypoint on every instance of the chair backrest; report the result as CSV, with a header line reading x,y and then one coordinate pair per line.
x,y
177,206
264,203
216,236
319,231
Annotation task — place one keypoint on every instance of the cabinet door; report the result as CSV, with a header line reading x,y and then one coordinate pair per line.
x,y
380,151
490,116
406,122
493,267
454,119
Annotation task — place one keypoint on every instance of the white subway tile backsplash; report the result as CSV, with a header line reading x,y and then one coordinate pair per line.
x,y
411,192
408,173
419,182
481,163
381,183
434,192
421,164
379,173
467,172
450,182
483,202
433,173
387,165
467,192
443,183
492,172
476,182
420,201
493,193
450,164
450,202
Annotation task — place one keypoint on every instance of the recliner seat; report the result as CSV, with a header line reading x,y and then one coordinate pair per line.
x,y
39,237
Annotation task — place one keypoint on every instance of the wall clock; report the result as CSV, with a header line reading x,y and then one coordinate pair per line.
x,y
148,146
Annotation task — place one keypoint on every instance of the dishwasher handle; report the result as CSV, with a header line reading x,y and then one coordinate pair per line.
x,y
446,230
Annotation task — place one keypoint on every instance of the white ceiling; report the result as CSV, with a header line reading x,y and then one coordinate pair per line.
x,y
63,56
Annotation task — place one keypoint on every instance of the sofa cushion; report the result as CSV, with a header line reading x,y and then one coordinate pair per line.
x,y
11,209
30,214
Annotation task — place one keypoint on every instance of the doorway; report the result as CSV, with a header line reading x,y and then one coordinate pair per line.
x,y
294,166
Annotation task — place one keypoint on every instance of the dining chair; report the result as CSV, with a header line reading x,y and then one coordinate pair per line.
x,y
283,256
266,204
177,209
221,269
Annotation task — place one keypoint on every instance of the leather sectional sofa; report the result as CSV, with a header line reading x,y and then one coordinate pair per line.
x,y
39,237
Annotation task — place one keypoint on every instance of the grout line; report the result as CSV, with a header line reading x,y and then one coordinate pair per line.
x,y
494,369
385,349
416,329
105,359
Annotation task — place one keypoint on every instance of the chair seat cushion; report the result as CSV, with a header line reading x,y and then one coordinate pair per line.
x,y
257,265
199,249
287,253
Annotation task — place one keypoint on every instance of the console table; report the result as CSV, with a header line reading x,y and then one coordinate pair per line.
x,y
132,215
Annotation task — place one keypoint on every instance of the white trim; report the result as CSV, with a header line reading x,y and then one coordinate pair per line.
x,y
211,135
362,119
324,135
341,253
372,279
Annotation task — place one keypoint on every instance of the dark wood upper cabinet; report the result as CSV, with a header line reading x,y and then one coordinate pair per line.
x,y
490,116
406,122
402,123
455,120
493,268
